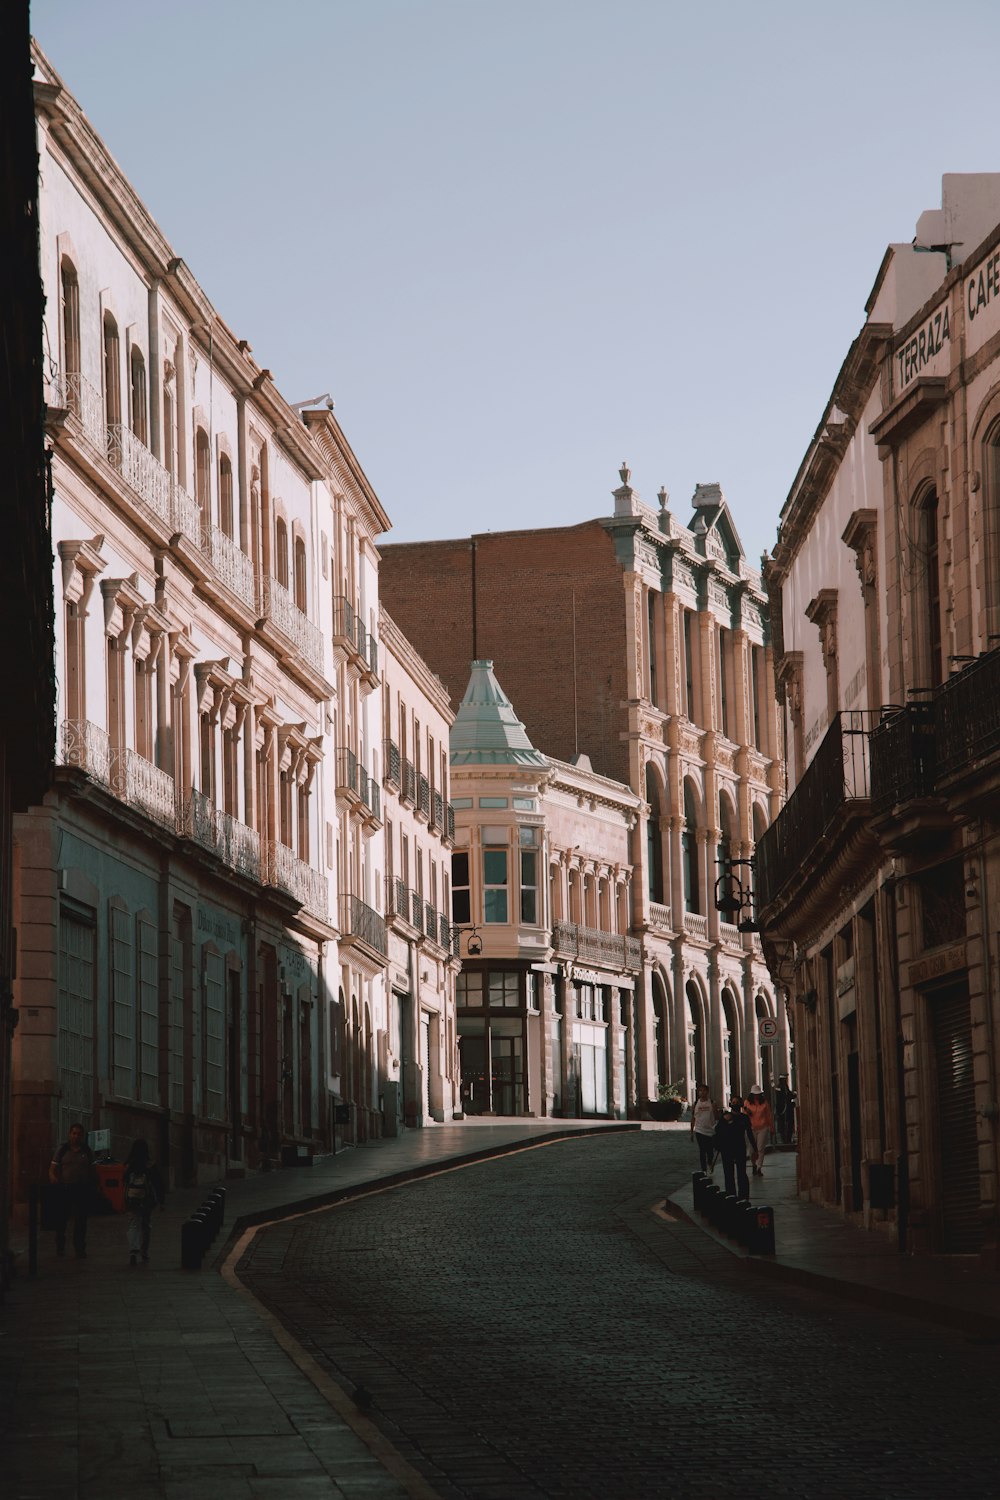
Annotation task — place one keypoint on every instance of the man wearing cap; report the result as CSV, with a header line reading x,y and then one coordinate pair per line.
x,y
732,1137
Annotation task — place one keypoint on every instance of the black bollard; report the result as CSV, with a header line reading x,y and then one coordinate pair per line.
x,y
762,1242
192,1245
730,1209
745,1222
710,1195
698,1181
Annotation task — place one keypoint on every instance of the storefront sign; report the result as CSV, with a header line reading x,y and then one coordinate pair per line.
x,y
946,962
926,352
982,302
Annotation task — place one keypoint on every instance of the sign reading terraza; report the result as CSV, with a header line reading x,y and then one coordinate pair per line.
x,y
922,347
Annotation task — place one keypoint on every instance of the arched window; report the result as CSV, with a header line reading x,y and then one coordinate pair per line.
x,y
689,851
696,1068
226,517
660,1030
203,475
137,390
70,284
112,375
300,574
281,552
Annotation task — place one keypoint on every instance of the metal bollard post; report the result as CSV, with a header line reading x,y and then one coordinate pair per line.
x,y
762,1242
745,1223
193,1243
698,1181
730,1208
709,1197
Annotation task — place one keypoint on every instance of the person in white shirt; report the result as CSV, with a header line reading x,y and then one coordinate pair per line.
x,y
703,1117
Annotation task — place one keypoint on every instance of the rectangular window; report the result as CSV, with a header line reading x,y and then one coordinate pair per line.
x,y
495,881
755,676
528,838
469,990
504,989
493,802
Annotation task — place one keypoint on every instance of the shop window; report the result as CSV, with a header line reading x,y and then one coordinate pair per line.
x,y
469,990
504,989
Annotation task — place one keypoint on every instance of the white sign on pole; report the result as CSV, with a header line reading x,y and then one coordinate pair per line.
x,y
767,1029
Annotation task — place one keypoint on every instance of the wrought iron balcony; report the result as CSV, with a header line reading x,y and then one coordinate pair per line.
x,y
967,717
424,796
902,757
149,790
277,606
186,517
128,776
74,393
239,846
450,834
286,872
397,900
408,788
344,621
232,566
417,910
362,924
437,811
143,473
347,772
87,747
393,764
836,780
612,950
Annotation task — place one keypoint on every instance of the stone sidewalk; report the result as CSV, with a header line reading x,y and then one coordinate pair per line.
x,y
154,1383
817,1247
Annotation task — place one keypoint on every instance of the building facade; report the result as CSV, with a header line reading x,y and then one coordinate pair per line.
x,y
644,645
199,893
422,1070
541,893
879,881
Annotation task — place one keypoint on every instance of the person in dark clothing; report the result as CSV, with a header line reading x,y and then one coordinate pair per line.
x,y
784,1110
733,1136
72,1171
143,1191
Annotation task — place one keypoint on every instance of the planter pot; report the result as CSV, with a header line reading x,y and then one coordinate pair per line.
x,y
665,1109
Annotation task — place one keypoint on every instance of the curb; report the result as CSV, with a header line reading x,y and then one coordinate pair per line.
x,y
985,1327
256,1218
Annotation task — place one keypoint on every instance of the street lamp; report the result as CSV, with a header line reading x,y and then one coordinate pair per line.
x,y
733,897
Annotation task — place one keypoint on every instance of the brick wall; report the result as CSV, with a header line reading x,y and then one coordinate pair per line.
x,y
525,582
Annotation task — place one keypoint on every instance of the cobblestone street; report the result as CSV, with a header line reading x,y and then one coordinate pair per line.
x,y
529,1327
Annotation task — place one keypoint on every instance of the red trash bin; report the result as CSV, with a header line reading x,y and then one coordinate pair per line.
x,y
111,1182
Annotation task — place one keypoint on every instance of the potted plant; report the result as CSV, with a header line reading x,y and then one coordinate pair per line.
x,y
670,1101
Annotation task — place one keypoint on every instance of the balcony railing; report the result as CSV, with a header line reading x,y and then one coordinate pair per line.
x,y
87,747
277,605
424,796
286,872
696,923
143,473
612,950
186,517
129,776
437,811
347,771
363,923
408,787
967,716
372,655
417,910
150,790
836,776
731,934
397,900
430,921
239,846
232,566
344,620
450,834
902,757
660,916
76,394
393,764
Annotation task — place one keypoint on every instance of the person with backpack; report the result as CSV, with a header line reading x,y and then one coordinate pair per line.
x,y
143,1191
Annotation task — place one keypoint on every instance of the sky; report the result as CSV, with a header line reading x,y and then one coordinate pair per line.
x,y
521,241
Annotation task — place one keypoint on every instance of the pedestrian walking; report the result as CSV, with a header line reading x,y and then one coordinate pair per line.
x,y
761,1118
143,1192
784,1110
732,1138
71,1170
703,1117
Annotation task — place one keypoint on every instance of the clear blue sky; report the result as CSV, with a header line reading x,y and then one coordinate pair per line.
x,y
521,240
